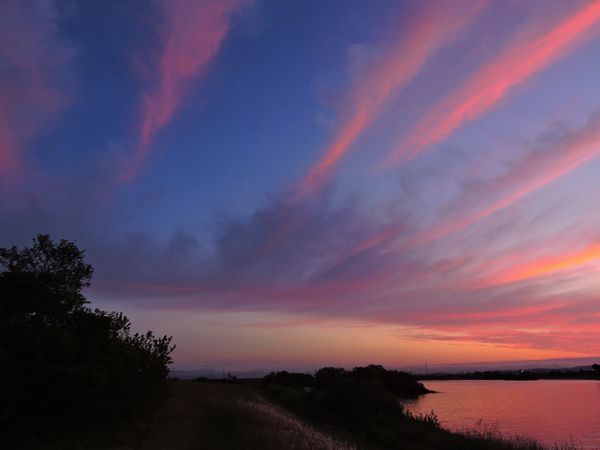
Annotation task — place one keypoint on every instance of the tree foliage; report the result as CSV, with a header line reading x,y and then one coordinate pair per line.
x,y
342,396
287,379
60,358
401,384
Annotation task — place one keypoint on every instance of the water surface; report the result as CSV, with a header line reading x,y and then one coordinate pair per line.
x,y
547,410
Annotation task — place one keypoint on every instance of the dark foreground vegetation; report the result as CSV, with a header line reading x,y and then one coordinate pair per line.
x,y
232,415
196,416
62,363
400,384
76,378
362,406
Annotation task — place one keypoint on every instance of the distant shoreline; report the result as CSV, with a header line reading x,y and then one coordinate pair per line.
x,y
516,375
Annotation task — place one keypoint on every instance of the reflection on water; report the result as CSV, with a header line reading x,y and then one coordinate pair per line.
x,y
547,410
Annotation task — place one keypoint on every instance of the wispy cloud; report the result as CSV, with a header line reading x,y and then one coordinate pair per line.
x,y
492,82
548,265
431,29
326,257
335,262
35,78
303,277
434,27
191,36
539,167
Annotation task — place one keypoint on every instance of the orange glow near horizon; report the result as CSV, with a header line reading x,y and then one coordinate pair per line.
x,y
492,82
318,341
254,177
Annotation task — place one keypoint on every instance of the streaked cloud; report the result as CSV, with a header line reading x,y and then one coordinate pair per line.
x,y
488,248
548,265
36,78
491,83
538,168
191,37
435,26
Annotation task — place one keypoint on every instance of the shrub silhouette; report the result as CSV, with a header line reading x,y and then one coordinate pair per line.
x,y
401,384
363,393
326,376
287,379
60,358
343,397
349,399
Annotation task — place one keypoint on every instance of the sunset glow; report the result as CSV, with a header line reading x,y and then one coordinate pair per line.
x,y
551,265
295,184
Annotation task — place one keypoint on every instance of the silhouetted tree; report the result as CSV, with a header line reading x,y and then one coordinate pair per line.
x,y
402,384
596,367
326,376
60,358
340,396
287,379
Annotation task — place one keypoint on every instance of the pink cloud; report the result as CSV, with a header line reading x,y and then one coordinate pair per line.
x,y
563,261
435,27
494,81
543,323
35,79
191,37
535,171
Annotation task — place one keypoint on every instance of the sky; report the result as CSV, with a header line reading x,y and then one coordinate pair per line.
x,y
298,184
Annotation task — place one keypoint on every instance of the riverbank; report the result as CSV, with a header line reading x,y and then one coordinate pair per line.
x,y
516,375
221,415
547,410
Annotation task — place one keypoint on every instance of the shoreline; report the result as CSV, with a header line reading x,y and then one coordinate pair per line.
x,y
518,375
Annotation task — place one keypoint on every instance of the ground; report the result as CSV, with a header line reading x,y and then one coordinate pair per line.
x,y
227,416
207,416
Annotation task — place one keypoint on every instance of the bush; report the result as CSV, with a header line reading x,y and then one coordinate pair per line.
x,y
351,400
401,384
287,379
61,359
342,397
326,376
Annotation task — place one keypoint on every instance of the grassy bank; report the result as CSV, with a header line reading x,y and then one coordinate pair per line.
x,y
374,422
196,415
218,415
365,403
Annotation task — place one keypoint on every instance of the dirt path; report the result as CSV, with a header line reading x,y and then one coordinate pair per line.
x,y
290,429
199,416
209,415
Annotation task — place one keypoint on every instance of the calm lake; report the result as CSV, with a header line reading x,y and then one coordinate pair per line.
x,y
547,410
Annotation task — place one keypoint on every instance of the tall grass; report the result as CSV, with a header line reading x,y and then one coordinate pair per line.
x,y
292,430
490,433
